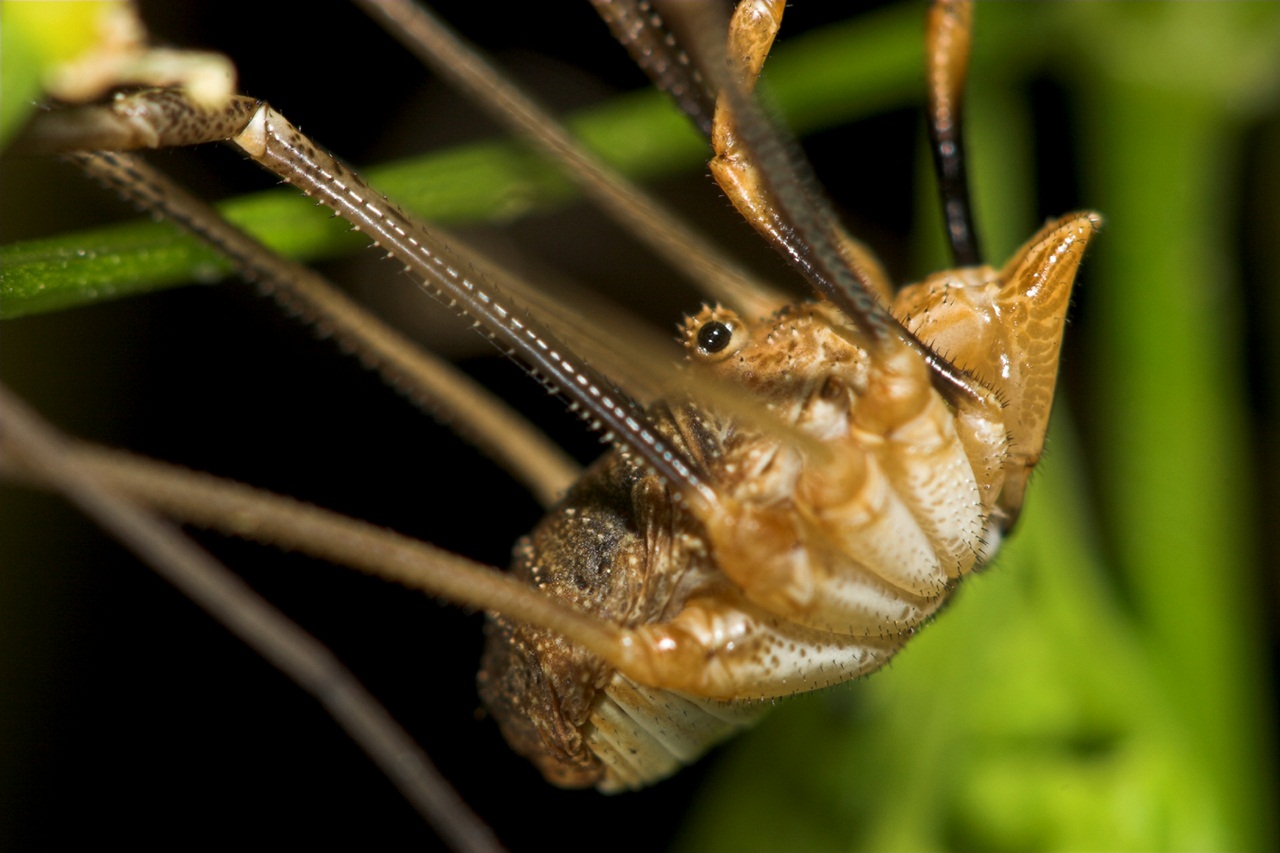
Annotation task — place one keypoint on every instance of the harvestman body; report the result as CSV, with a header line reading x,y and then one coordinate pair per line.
x,y
729,553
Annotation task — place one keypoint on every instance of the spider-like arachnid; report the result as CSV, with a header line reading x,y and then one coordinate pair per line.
x,y
408,513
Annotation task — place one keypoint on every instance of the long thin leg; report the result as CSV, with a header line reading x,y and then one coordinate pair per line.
x,y
678,654
27,443
248,513
711,648
947,37
443,391
645,217
641,29
166,117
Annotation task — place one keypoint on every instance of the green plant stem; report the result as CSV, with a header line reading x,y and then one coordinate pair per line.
x,y
1167,332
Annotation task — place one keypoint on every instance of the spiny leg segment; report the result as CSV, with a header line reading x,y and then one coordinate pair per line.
x,y
660,228
168,118
433,384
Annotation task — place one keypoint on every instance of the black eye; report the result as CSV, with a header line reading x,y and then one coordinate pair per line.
x,y
714,336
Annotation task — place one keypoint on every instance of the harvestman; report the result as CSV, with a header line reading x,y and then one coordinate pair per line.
x,y
896,393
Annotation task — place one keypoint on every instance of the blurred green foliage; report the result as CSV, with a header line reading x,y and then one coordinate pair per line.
x,y
1107,684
